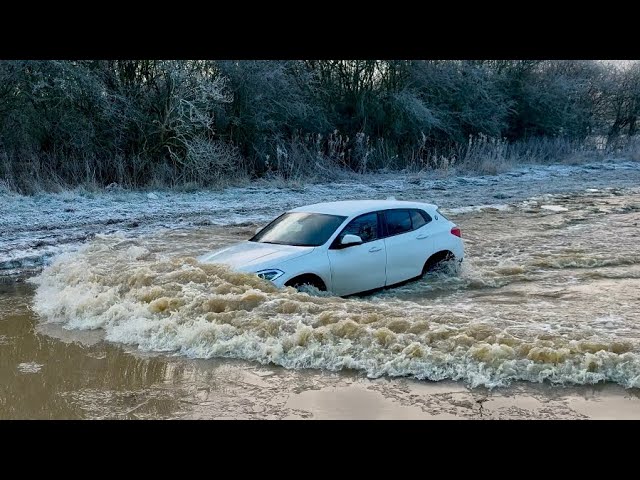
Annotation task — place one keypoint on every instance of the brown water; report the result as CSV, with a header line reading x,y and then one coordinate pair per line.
x,y
136,328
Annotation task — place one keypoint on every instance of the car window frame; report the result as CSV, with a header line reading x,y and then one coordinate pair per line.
x,y
428,219
425,215
336,246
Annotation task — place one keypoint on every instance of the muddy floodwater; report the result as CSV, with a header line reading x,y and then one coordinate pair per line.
x,y
542,320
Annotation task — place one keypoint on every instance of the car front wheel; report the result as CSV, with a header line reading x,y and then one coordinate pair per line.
x,y
303,280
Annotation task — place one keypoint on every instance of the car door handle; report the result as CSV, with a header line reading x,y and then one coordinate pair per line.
x,y
375,249
422,237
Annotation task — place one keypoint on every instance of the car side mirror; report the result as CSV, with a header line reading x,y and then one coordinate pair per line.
x,y
350,240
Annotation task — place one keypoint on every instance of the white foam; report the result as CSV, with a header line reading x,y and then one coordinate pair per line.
x,y
477,208
554,208
181,307
29,367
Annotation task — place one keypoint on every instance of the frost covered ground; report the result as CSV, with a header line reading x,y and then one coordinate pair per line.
x,y
35,228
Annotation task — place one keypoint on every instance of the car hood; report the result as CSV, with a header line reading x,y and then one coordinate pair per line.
x,y
247,255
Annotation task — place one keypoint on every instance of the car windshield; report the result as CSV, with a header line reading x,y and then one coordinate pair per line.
x,y
300,229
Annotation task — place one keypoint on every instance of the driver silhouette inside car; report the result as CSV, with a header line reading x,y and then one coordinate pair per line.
x,y
367,233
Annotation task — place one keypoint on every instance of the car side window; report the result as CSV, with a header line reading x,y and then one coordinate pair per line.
x,y
365,226
398,221
419,218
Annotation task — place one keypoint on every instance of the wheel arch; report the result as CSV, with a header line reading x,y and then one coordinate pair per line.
x,y
437,258
310,278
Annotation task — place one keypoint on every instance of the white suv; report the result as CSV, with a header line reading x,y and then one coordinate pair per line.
x,y
347,247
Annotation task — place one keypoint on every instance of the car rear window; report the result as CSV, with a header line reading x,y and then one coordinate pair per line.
x,y
398,221
419,218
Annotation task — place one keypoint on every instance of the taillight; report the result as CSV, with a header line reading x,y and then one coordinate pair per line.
x,y
456,231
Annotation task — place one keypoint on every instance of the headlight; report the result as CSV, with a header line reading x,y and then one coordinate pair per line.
x,y
270,274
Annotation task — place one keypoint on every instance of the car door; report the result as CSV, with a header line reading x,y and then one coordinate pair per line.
x,y
359,268
407,247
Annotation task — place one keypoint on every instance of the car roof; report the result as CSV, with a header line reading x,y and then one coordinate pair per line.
x,y
357,207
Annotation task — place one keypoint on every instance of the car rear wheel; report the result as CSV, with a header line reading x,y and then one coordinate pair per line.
x,y
437,262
